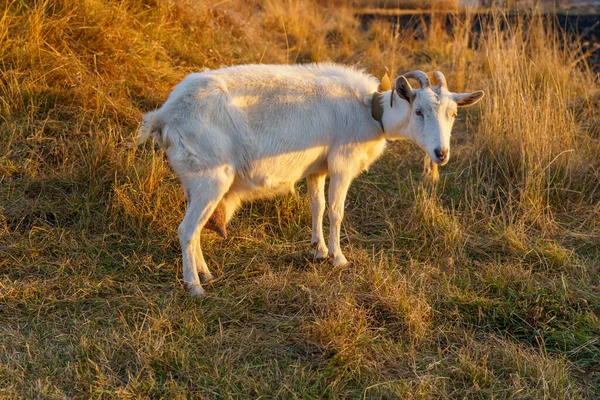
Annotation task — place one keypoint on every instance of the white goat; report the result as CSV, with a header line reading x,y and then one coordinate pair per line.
x,y
250,131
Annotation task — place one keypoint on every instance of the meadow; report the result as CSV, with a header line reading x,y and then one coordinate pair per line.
x,y
483,286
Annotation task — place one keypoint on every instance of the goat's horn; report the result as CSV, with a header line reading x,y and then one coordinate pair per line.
x,y
420,76
441,79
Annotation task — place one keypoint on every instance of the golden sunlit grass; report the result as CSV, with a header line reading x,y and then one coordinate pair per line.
x,y
484,287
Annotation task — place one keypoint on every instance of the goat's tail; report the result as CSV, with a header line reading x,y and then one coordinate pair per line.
x,y
152,126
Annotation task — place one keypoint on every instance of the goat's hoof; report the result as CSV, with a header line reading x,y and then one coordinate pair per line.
x,y
340,261
322,252
321,255
206,277
195,289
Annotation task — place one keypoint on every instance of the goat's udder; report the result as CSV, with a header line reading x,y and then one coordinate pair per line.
x,y
216,222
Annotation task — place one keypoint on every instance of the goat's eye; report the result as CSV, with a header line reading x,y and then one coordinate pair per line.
x,y
453,115
419,112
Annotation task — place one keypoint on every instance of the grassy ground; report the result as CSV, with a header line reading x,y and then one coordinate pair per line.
x,y
484,287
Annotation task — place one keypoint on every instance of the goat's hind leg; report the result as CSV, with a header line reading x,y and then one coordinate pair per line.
x,y
204,193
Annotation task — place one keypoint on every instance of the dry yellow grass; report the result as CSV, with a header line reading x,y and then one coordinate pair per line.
x,y
484,287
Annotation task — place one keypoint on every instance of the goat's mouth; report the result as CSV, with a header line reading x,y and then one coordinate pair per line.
x,y
441,155
440,161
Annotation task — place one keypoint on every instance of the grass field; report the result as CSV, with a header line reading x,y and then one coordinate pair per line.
x,y
486,286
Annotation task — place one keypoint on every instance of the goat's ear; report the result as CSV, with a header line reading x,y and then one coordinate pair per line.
x,y
404,89
467,99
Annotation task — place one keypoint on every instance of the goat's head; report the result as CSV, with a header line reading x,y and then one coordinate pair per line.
x,y
430,113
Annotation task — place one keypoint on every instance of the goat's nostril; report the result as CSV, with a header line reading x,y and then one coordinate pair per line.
x,y
441,154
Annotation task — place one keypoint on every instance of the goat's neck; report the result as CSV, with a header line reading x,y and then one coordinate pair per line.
x,y
395,120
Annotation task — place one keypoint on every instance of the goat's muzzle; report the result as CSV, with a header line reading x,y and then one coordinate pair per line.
x,y
442,155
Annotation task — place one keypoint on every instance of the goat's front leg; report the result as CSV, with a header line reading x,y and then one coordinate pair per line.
x,y
338,188
204,194
316,201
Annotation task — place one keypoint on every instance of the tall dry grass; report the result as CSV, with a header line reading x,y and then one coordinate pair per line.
x,y
530,134
485,286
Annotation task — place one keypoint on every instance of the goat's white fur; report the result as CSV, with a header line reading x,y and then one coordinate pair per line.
x,y
244,132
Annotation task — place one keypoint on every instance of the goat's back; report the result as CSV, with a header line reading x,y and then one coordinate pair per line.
x,y
257,116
